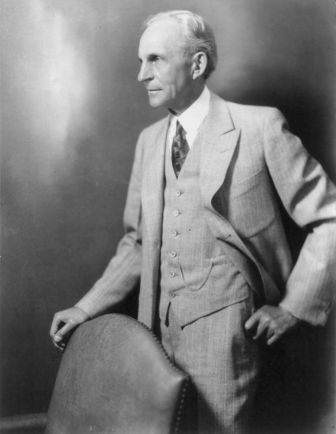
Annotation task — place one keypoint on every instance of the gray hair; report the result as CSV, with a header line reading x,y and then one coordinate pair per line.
x,y
199,34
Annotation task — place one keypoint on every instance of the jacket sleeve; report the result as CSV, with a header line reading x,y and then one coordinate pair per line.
x,y
310,199
123,271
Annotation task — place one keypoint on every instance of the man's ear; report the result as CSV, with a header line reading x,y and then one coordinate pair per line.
x,y
199,64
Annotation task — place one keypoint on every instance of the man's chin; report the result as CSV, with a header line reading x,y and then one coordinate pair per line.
x,y
156,100
155,103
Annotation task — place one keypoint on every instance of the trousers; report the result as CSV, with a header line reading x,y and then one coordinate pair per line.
x,y
223,365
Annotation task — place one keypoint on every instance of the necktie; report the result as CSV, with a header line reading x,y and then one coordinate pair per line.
x,y
180,149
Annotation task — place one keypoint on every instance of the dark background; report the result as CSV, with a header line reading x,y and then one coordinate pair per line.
x,y
71,113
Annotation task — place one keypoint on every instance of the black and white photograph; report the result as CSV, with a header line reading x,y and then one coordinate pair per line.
x,y
168,217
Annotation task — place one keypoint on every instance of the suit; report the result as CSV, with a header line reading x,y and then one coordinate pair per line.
x,y
248,161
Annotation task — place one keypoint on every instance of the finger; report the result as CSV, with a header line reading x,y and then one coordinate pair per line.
x,y
253,321
274,328
59,345
54,326
262,327
277,333
273,339
64,330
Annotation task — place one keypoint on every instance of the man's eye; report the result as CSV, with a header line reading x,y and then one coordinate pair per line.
x,y
155,59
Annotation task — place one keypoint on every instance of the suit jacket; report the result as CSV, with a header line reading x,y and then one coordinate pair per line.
x,y
249,161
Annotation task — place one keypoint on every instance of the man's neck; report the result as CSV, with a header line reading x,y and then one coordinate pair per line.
x,y
197,91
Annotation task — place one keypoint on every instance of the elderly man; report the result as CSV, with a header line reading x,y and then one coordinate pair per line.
x,y
203,227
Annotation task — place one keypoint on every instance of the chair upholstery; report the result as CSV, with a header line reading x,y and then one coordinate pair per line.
x,y
115,378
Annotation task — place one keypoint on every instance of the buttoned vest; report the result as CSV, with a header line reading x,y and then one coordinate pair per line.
x,y
197,277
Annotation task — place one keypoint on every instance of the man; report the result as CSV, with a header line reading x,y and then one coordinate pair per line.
x,y
203,228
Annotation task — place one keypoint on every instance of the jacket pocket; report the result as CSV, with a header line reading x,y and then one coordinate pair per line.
x,y
195,279
224,286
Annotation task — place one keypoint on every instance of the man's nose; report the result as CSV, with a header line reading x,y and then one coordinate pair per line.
x,y
145,72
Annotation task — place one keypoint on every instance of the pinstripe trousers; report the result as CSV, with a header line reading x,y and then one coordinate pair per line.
x,y
223,364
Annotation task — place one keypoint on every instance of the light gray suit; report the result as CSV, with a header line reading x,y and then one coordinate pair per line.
x,y
248,160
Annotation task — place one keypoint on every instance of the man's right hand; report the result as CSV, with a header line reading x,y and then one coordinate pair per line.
x,y
64,322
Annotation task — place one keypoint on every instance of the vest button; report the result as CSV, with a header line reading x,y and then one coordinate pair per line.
x,y
178,193
175,233
176,212
172,274
173,254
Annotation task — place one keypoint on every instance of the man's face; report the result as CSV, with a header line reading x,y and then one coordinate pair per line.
x,y
165,67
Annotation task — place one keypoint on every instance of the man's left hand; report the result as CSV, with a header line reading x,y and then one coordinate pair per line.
x,y
271,322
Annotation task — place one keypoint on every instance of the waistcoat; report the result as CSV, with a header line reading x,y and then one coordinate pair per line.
x,y
196,275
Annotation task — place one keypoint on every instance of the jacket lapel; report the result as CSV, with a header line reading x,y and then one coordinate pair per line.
x,y
218,140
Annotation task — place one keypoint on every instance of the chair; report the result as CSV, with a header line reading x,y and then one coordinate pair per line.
x,y
115,378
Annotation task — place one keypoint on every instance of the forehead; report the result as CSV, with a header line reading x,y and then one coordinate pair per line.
x,y
162,36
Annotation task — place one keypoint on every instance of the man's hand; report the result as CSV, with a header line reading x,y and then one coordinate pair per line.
x,y
271,322
63,323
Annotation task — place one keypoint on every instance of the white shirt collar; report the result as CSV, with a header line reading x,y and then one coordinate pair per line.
x,y
192,118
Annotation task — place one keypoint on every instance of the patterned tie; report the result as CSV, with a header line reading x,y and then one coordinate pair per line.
x,y
180,149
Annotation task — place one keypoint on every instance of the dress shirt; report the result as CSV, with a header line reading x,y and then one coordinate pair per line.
x,y
191,119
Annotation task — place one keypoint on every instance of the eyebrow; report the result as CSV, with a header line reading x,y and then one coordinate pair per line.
x,y
152,56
